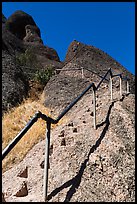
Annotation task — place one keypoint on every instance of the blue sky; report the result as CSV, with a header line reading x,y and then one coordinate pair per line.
x,y
109,26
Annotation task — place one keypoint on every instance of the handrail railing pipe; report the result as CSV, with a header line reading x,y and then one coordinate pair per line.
x,y
103,78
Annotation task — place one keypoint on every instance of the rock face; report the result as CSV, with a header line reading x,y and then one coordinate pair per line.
x,y
32,34
86,165
19,33
16,24
69,84
14,83
96,61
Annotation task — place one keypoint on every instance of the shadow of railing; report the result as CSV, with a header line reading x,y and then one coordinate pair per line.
x,y
75,181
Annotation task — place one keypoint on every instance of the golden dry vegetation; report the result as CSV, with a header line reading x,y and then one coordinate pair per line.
x,y
12,123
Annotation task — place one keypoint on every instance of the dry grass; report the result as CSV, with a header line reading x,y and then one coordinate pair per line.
x,y
12,124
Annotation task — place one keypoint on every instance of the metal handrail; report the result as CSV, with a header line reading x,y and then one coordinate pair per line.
x,y
50,121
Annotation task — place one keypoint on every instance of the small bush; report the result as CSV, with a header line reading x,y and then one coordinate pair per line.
x,y
28,58
43,76
34,70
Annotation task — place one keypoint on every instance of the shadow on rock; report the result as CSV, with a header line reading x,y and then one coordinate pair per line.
x,y
75,181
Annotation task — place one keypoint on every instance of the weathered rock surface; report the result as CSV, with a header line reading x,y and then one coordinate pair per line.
x,y
32,34
14,84
67,85
96,61
91,165
16,24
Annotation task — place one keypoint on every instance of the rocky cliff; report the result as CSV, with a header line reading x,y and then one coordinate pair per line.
x,y
20,33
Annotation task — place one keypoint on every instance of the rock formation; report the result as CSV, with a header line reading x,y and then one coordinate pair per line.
x,y
69,84
19,33
16,24
32,34
14,83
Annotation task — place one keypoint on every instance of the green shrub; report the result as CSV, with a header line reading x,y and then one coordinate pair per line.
x,y
34,70
43,76
28,58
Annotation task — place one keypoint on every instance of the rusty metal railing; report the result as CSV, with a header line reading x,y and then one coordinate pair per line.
x,y
50,121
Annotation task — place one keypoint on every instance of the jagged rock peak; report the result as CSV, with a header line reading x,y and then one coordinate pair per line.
x,y
73,49
17,21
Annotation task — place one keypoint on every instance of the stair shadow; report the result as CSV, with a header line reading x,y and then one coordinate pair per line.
x,y
75,181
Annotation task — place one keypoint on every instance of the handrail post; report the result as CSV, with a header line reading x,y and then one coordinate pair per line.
x,y
46,164
120,84
82,73
94,107
111,91
127,86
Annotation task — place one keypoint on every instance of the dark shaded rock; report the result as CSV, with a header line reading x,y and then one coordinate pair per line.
x,y
75,130
62,133
44,53
23,190
23,173
63,142
10,42
42,164
16,24
70,124
14,84
91,113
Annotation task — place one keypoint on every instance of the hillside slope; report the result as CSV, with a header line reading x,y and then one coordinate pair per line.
x,y
85,164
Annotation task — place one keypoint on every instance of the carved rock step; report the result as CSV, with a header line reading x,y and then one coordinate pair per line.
x,y
23,190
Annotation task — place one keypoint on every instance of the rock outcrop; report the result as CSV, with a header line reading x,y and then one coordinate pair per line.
x,y
14,84
96,61
32,34
19,33
16,24
69,84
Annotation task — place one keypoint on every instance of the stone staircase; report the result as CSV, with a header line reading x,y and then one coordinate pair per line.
x,y
85,164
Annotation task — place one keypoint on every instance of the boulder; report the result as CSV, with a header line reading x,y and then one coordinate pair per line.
x,y
17,21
